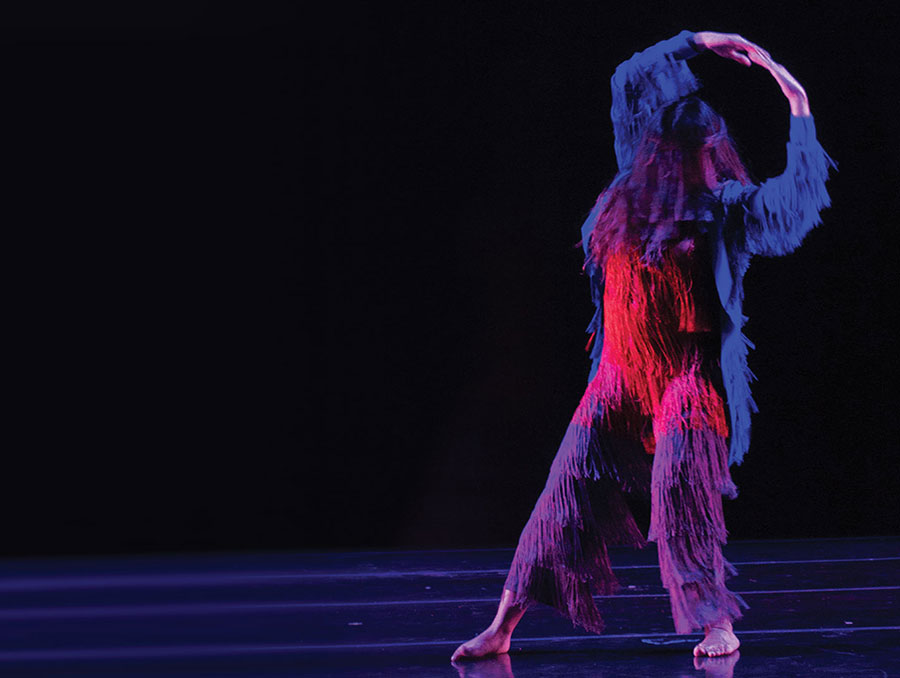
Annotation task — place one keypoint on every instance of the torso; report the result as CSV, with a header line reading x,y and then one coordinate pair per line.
x,y
661,321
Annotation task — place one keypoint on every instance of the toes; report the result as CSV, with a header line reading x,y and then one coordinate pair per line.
x,y
709,650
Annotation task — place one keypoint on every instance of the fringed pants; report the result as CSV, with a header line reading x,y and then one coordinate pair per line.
x,y
562,559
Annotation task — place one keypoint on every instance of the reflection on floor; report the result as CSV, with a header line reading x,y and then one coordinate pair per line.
x,y
823,606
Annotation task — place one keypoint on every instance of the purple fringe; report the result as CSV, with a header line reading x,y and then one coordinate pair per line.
x,y
562,558
690,475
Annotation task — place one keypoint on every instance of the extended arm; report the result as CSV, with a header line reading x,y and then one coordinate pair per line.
x,y
733,46
659,75
778,214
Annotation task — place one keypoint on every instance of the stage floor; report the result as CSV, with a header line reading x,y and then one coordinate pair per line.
x,y
819,606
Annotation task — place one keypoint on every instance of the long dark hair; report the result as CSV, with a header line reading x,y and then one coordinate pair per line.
x,y
684,154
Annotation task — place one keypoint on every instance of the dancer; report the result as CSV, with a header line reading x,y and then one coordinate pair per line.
x,y
666,248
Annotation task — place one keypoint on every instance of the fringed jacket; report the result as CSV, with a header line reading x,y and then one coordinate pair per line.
x,y
770,219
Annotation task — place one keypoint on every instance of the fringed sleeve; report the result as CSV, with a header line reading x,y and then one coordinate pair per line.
x,y
647,81
782,210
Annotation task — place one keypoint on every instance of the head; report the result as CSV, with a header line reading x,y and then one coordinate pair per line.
x,y
684,154
687,143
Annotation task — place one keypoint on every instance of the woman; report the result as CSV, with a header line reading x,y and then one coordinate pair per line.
x,y
666,247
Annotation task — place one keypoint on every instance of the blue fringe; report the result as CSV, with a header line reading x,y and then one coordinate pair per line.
x,y
771,219
646,82
779,213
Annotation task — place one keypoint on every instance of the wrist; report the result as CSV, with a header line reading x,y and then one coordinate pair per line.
x,y
799,106
802,129
696,45
682,46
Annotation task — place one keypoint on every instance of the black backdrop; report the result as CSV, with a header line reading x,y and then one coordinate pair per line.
x,y
312,281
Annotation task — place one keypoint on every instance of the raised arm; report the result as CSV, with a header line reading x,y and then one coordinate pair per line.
x,y
733,46
659,75
779,213
641,85
646,82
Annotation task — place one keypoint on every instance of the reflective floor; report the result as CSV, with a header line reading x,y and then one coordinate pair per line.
x,y
818,607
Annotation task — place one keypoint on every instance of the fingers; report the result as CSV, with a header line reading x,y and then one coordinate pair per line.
x,y
753,48
764,61
738,48
750,46
740,57
763,58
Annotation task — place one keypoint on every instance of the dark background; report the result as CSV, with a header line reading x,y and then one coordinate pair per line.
x,y
288,281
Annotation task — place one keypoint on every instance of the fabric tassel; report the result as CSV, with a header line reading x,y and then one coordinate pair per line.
x,y
697,591
645,83
562,559
771,219
690,475
786,208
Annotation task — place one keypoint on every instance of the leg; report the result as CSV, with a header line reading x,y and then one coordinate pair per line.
x,y
690,474
561,559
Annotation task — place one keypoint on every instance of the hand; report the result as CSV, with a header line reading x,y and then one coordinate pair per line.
x,y
733,46
729,45
792,89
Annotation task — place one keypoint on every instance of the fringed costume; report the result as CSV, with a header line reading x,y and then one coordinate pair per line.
x,y
666,410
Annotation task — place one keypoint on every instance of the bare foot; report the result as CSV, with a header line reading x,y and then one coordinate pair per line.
x,y
488,642
720,640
